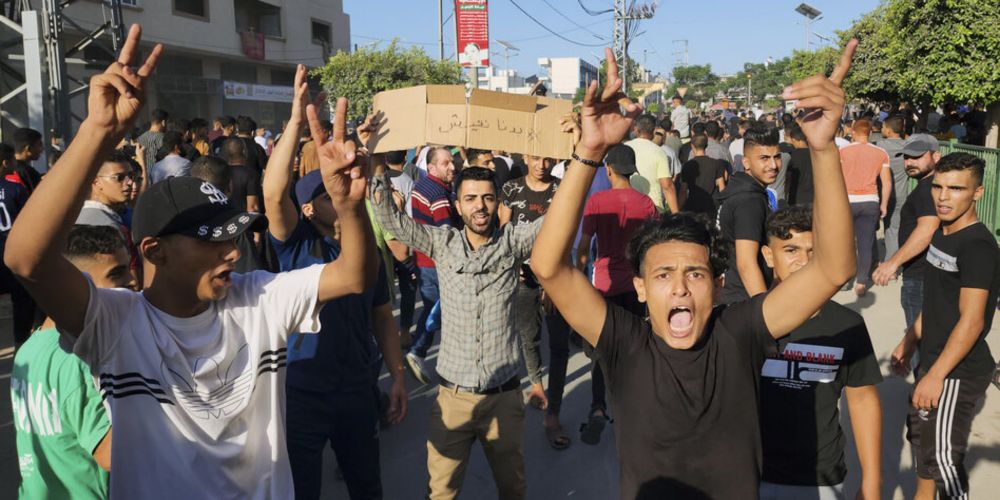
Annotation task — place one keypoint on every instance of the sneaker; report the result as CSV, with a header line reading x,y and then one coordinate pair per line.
x,y
418,368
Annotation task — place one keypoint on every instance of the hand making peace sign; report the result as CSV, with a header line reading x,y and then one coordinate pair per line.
x,y
601,120
343,174
117,94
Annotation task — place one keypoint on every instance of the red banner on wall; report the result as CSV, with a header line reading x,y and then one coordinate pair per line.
x,y
472,32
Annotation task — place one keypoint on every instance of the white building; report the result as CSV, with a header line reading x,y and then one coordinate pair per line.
x,y
215,45
567,74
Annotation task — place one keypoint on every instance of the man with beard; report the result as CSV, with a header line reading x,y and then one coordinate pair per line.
x,y
480,356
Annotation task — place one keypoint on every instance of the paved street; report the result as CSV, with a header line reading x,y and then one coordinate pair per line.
x,y
590,472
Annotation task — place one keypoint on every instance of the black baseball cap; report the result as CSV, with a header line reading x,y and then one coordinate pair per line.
x,y
621,159
191,207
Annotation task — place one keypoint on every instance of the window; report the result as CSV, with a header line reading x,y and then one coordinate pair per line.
x,y
321,32
130,3
194,8
259,17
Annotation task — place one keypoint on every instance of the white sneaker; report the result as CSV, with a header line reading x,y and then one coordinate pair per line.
x,y
418,368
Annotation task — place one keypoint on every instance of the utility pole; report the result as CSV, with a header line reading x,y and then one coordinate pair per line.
x,y
507,47
627,15
440,30
684,52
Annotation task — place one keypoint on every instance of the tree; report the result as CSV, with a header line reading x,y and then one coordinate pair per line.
x,y
360,75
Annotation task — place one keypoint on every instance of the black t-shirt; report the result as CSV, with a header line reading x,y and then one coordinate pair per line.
x,y
687,420
526,205
800,177
920,203
966,259
700,174
245,182
743,215
800,387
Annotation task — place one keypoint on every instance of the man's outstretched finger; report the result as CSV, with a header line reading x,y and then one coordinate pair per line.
x,y
340,120
127,53
840,71
591,94
150,64
315,129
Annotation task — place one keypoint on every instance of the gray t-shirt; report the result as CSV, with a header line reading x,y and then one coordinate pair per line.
x,y
680,117
402,184
900,180
169,166
152,141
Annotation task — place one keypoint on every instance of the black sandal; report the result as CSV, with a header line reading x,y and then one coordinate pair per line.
x,y
590,431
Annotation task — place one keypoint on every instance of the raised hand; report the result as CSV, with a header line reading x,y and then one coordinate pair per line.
x,y
343,175
601,120
117,94
821,101
301,97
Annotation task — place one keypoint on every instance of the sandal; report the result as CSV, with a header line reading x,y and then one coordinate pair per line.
x,y
590,431
557,437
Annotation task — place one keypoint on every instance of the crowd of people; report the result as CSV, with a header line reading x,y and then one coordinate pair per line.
x,y
223,303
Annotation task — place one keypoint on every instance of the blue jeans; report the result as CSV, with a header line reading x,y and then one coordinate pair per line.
x,y
349,421
429,295
911,297
408,281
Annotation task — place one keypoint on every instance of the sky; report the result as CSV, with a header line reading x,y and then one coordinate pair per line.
x,y
723,33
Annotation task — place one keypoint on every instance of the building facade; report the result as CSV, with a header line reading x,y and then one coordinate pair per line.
x,y
222,57
567,74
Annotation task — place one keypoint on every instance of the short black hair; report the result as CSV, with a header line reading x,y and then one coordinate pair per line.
x,y
894,123
666,124
160,115
475,174
781,223
213,170
646,123
395,157
683,226
119,156
171,139
234,151
6,153
25,138
85,242
962,161
712,129
245,125
794,131
698,128
760,134
199,123
699,142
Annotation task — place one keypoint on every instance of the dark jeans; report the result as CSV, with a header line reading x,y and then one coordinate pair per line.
x,y
349,421
911,297
23,305
429,295
559,332
866,215
408,282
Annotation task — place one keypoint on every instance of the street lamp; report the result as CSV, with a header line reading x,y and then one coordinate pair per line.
x,y
507,47
811,14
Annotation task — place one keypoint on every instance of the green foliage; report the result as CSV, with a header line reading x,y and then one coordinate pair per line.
x,y
692,104
653,108
360,75
578,98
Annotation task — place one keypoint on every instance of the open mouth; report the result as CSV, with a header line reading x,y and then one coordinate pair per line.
x,y
943,209
480,218
681,321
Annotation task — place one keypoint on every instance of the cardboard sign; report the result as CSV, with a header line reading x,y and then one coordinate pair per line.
x,y
441,115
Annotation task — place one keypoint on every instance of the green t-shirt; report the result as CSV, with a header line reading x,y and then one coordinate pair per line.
x,y
59,419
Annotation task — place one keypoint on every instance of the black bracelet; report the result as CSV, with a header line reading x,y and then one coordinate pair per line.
x,y
589,163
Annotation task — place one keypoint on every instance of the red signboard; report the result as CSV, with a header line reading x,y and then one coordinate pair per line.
x,y
472,32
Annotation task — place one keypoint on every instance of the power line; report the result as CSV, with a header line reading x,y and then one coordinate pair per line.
x,y
593,12
574,23
604,21
553,32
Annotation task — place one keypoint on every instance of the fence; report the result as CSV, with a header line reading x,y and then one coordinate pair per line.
x,y
988,207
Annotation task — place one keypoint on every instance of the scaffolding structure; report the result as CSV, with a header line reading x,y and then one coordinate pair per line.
x,y
34,59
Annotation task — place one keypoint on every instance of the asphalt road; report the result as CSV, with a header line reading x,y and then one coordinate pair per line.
x,y
590,472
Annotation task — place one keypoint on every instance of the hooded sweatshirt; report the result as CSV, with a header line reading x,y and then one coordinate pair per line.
x,y
743,211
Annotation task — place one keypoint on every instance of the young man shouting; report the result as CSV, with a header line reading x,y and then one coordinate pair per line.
x,y
961,282
684,381
802,381
192,368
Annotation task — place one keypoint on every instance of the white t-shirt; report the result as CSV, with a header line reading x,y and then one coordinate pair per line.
x,y
198,404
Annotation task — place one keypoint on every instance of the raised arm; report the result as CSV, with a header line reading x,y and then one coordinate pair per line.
x,y
796,299
346,182
281,214
37,240
603,125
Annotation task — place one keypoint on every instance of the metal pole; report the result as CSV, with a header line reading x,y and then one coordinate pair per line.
x,y
440,30
808,30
